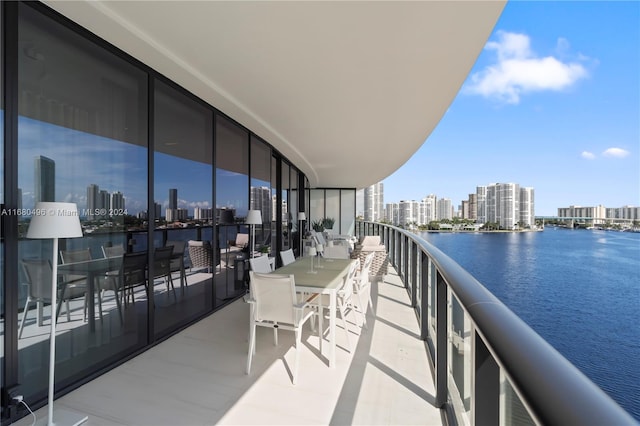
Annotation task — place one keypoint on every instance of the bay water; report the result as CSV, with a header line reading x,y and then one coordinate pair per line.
x,y
579,289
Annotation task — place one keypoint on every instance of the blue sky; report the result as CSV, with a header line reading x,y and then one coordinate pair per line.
x,y
553,103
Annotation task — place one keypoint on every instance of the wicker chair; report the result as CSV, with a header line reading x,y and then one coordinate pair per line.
x,y
201,255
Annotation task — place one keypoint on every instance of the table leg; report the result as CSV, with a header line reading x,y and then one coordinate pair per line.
x,y
332,328
92,307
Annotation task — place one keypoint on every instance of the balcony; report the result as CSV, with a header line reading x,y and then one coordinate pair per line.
x,y
198,375
490,367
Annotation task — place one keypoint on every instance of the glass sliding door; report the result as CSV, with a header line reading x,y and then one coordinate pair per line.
x,y
347,212
232,203
183,141
82,131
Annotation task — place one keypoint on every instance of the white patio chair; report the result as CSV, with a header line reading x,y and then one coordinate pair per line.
x,y
344,300
274,305
362,287
336,252
287,257
261,264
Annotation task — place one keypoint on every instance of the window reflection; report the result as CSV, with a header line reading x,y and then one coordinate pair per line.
x,y
82,139
260,196
232,196
183,132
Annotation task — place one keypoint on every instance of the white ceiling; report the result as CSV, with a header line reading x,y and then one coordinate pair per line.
x,y
348,91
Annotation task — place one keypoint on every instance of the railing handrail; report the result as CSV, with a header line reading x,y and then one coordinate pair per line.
x,y
551,387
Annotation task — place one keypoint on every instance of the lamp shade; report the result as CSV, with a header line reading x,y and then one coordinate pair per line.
x,y
226,217
55,220
254,217
302,216
319,248
312,251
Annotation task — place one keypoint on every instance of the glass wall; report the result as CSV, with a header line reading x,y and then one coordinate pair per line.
x,y
183,140
316,207
336,204
232,197
332,210
82,131
260,196
82,124
347,212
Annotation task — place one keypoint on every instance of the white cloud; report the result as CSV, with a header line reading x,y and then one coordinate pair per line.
x,y
588,155
519,71
615,152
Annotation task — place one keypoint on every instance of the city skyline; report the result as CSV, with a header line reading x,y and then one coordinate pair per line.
x,y
555,106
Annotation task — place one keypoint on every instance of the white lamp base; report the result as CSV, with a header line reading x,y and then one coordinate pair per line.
x,y
63,417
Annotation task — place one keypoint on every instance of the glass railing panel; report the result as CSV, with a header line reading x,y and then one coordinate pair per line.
x,y
418,266
432,300
512,410
459,360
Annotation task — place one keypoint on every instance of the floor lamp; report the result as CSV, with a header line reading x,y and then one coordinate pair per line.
x,y
254,217
52,221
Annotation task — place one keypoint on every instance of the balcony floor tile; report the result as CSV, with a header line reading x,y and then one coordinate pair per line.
x,y
197,377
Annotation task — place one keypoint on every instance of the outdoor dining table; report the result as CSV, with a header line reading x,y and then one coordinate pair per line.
x,y
92,269
327,278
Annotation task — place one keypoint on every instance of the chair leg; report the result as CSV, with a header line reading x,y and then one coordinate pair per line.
x,y
252,345
99,292
40,313
344,323
298,332
363,310
24,317
275,336
117,297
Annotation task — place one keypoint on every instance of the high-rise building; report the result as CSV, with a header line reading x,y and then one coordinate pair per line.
x,y
427,209
44,179
481,204
117,201
374,202
391,213
444,209
527,208
473,206
260,199
173,198
408,211
506,204
93,192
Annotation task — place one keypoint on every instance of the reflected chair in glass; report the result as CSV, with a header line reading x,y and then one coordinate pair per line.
x,y
274,305
81,255
132,274
113,251
287,257
102,285
38,274
162,266
201,255
177,259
